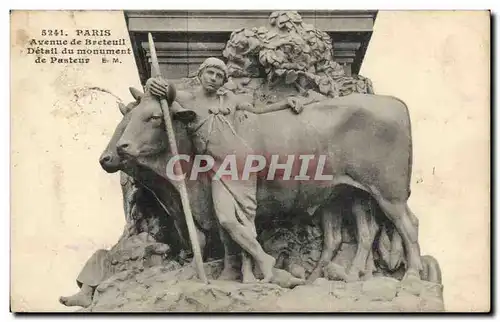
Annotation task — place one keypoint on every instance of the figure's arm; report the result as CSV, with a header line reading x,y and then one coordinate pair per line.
x,y
159,87
294,103
261,108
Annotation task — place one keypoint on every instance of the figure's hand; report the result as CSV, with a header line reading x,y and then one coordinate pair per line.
x,y
295,104
244,106
242,115
242,111
157,86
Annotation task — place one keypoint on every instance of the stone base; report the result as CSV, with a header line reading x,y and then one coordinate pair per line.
x,y
170,289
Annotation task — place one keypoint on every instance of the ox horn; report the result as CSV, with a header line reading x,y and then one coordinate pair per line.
x,y
136,94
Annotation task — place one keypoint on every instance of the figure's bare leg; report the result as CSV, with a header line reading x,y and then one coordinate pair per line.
x,y
331,218
366,228
229,272
247,269
226,213
83,298
407,226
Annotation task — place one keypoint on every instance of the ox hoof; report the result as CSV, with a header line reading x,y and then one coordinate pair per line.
x,y
335,272
353,275
228,275
314,276
411,275
298,271
249,278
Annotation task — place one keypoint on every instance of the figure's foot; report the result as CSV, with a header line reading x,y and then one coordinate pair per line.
x,y
266,267
79,299
229,274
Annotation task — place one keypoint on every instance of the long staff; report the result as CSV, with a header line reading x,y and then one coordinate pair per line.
x,y
155,72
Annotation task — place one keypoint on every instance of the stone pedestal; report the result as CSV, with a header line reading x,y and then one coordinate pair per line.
x,y
170,289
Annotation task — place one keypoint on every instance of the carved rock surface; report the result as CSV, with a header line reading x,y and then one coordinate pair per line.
x,y
175,289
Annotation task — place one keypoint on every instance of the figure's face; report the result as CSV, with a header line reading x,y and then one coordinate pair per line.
x,y
212,78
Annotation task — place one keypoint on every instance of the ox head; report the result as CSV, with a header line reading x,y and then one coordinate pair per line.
x,y
145,134
110,160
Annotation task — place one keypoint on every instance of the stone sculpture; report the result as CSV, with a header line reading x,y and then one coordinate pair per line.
x,y
354,229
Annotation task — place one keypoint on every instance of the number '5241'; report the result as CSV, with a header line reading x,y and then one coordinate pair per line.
x,y
53,32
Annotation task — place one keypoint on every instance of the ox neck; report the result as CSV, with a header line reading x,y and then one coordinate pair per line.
x,y
207,93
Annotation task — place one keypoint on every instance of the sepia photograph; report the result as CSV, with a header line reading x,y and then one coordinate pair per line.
x,y
250,161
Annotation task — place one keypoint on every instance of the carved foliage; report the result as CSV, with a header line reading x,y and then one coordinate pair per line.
x,y
290,51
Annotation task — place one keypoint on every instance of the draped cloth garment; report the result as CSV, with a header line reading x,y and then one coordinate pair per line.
x,y
216,136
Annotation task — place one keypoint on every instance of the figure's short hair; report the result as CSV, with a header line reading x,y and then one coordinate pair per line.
x,y
213,62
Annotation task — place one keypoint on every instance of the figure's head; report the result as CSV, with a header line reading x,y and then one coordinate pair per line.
x,y
212,74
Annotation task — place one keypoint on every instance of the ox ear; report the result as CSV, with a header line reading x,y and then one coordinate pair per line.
x,y
171,94
137,94
182,114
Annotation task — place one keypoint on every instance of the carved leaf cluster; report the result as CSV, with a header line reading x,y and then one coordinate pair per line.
x,y
290,51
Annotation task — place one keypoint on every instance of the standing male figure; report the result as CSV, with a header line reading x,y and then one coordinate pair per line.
x,y
213,133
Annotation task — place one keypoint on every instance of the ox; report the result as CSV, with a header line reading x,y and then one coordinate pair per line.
x,y
367,139
161,191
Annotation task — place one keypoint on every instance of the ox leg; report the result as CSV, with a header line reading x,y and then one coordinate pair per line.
x,y
407,225
366,230
370,266
202,239
331,221
374,229
182,235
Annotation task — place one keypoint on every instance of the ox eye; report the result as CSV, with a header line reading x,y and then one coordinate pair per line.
x,y
156,119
